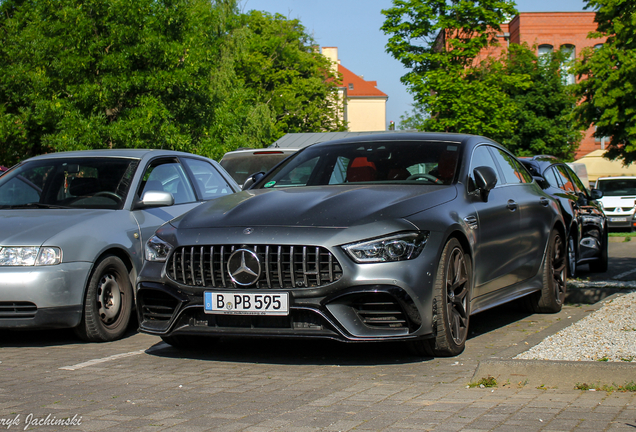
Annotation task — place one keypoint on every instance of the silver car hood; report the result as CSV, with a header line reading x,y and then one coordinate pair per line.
x,y
34,227
336,206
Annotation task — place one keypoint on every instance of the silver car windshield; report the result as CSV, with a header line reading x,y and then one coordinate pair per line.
x,y
87,183
390,162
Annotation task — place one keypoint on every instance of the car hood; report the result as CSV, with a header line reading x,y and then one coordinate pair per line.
x,y
616,201
34,226
335,206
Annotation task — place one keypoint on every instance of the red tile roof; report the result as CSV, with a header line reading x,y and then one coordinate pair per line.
x,y
361,87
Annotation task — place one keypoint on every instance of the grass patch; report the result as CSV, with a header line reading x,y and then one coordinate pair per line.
x,y
488,382
622,234
629,387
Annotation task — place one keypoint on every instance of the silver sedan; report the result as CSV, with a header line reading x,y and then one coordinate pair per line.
x,y
73,226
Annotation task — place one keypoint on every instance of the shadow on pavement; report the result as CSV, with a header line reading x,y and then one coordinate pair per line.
x,y
325,352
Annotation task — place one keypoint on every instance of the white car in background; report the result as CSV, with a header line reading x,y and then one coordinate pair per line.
x,y
619,197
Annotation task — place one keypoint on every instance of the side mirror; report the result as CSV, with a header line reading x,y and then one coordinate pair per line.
x,y
543,183
155,199
596,194
485,180
252,179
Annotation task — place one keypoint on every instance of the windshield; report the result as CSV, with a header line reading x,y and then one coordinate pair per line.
x,y
617,187
391,162
89,183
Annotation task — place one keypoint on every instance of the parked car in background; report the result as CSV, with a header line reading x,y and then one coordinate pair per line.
x,y
619,201
244,162
73,226
3,169
375,238
587,240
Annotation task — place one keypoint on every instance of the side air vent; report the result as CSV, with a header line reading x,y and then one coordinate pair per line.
x,y
380,311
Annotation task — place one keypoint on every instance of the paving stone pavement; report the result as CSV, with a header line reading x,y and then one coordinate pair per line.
x,y
141,384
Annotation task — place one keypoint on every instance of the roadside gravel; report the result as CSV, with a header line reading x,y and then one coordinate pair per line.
x,y
608,334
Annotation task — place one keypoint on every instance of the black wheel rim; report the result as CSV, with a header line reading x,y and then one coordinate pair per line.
x,y
457,296
571,256
558,269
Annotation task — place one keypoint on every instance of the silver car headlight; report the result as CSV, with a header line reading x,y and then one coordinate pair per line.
x,y
397,247
30,255
157,249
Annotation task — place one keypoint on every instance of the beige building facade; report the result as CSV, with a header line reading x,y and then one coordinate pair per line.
x,y
364,105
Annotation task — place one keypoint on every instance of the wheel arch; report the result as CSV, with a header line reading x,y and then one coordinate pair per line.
x,y
125,258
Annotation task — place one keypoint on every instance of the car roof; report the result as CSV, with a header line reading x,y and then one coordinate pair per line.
x,y
125,153
410,136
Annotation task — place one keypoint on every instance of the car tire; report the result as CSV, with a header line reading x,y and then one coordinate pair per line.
x,y
108,302
552,295
601,265
451,302
571,257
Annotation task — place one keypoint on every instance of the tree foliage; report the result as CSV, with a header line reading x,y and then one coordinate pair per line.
x,y
289,75
191,75
439,42
517,100
608,90
542,111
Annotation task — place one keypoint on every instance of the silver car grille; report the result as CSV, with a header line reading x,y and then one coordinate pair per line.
x,y
283,267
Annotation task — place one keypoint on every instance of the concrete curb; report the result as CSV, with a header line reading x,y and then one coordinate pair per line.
x,y
553,373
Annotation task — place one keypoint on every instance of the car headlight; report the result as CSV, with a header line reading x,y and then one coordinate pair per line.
x,y
397,247
30,255
157,249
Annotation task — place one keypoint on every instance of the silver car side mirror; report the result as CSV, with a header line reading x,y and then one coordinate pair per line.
x,y
155,199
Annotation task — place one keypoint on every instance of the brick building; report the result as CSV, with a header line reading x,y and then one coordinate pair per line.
x,y
552,31
364,104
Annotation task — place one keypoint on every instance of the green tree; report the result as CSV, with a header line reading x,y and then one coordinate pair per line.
x,y
287,73
543,108
81,74
608,88
439,41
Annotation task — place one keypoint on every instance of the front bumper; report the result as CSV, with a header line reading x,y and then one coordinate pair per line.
x,y
621,220
42,297
361,313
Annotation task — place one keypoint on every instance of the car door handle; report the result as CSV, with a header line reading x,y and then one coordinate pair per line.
x,y
544,201
512,205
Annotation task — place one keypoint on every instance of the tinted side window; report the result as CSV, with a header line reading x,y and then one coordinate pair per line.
x,y
508,166
482,157
550,176
564,179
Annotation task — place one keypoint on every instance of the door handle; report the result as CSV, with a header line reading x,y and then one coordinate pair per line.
x,y
512,205
544,201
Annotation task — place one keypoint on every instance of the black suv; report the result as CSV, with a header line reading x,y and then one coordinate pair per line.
x,y
582,213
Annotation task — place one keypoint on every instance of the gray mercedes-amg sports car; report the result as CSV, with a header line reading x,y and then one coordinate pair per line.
x,y
373,238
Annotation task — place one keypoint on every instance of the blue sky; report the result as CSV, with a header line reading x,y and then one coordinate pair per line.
x,y
354,27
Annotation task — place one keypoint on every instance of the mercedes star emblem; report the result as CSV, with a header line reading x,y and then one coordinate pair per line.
x,y
244,267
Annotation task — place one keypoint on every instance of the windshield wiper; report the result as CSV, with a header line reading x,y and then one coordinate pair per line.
x,y
35,205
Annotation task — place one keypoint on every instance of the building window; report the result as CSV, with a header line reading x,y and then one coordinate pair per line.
x,y
598,46
544,50
350,86
568,64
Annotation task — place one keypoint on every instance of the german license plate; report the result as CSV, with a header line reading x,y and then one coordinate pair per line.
x,y
245,303
618,219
